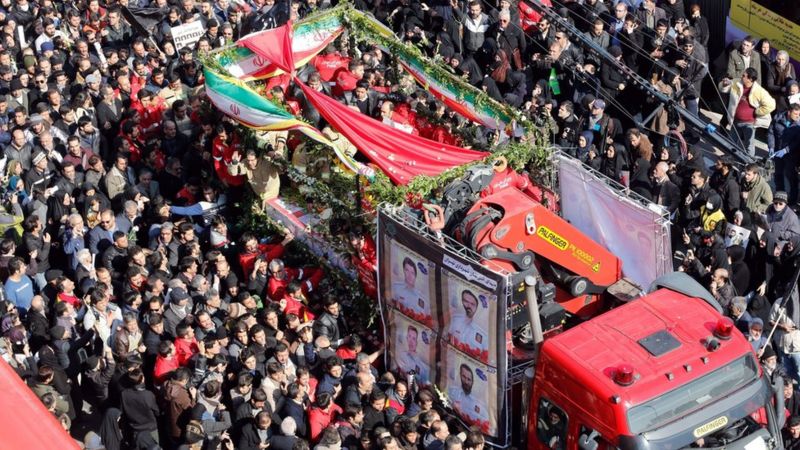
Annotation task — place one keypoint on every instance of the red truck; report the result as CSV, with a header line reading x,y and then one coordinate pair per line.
x,y
663,371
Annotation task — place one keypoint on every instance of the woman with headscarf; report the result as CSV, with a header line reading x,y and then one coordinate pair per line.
x,y
109,432
584,146
777,78
700,24
640,171
611,162
490,88
740,272
59,206
500,69
15,183
467,69
762,260
516,91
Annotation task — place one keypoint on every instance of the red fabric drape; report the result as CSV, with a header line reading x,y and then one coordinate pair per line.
x,y
400,155
274,45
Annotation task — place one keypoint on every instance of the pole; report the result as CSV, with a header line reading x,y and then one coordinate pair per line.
x,y
786,297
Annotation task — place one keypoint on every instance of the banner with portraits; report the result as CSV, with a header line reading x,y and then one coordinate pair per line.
x,y
444,315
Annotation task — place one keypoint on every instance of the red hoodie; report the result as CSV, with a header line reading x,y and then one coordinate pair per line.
x,y
319,419
164,367
184,350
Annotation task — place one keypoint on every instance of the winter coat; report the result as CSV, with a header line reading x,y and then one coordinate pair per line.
x,y
759,99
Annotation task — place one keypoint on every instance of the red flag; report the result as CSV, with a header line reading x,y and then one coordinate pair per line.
x,y
274,45
400,155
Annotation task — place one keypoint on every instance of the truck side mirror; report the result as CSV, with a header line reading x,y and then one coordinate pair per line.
x,y
588,441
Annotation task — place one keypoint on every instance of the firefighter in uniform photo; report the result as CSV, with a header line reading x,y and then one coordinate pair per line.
x,y
407,298
461,398
465,332
409,359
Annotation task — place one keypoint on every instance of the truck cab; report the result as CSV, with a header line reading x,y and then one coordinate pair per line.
x,y
663,371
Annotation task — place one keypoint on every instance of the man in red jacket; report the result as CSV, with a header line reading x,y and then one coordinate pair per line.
x,y
321,415
166,362
365,259
280,276
150,109
295,302
185,344
252,249
330,63
222,149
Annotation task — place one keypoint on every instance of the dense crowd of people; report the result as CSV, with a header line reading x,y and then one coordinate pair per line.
x,y
143,318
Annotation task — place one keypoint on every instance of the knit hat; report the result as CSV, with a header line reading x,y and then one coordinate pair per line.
x,y
52,275
781,196
38,157
599,104
768,353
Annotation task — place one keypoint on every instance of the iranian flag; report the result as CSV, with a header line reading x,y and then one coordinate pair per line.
x,y
309,38
461,99
239,101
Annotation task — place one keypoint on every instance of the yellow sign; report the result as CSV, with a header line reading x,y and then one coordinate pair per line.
x,y
714,425
552,237
760,22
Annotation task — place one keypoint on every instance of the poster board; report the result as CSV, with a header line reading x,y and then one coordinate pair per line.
x,y
444,315
753,18
187,35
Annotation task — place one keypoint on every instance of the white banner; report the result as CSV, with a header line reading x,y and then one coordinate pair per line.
x,y
187,35
638,236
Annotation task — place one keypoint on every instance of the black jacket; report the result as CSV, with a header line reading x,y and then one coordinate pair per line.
x,y
140,409
249,439
94,384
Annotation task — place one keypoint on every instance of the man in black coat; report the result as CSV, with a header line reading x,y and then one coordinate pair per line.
x,y
665,192
723,180
509,38
286,439
256,432
330,323
141,411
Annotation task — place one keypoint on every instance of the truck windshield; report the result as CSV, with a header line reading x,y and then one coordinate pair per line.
x,y
693,395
